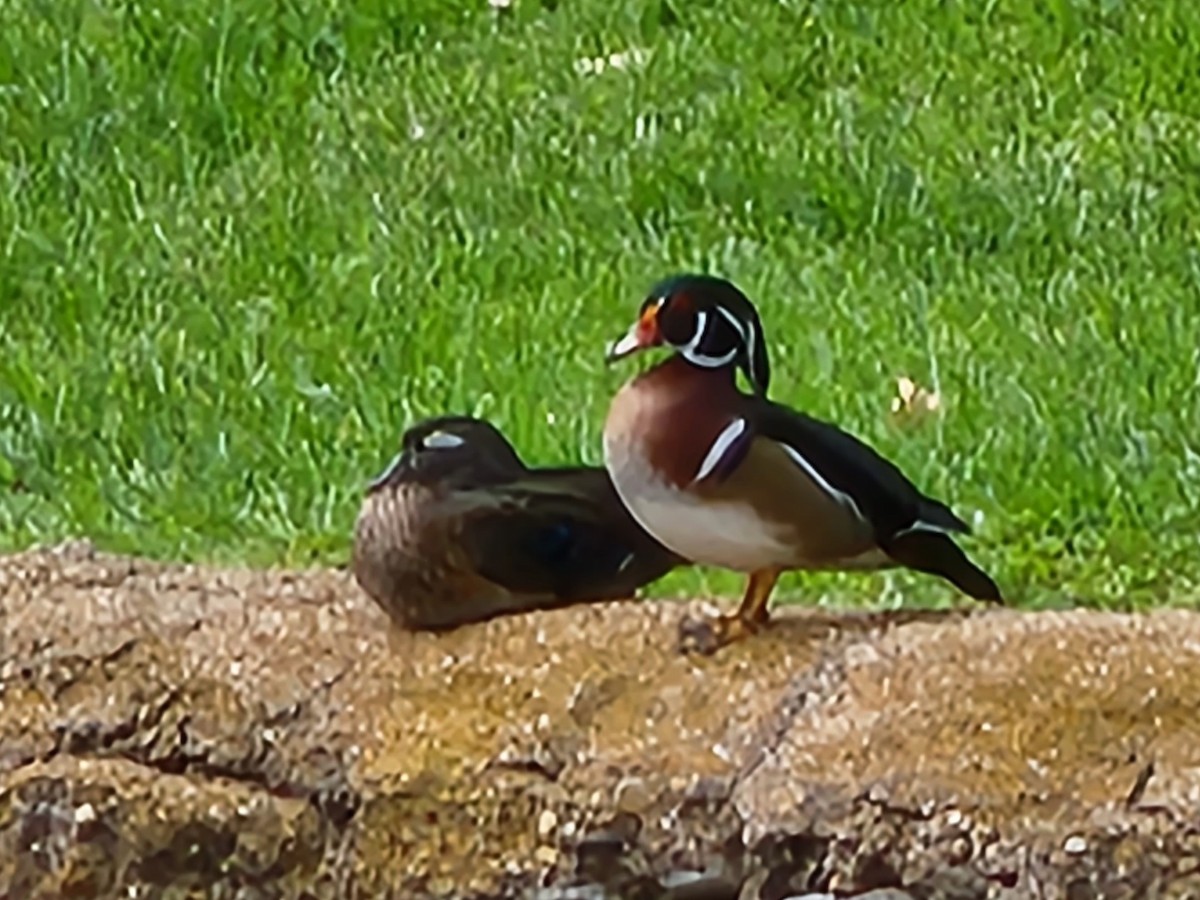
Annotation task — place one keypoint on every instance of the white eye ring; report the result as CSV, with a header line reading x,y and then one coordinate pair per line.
x,y
442,440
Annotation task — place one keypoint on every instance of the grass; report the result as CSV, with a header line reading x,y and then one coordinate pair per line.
x,y
242,245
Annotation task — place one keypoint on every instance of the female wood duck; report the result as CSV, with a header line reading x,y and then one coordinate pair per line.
x,y
734,480
458,529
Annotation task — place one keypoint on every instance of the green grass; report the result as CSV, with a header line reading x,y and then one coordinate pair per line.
x,y
242,245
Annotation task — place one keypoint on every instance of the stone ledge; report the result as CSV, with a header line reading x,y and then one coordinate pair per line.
x,y
167,726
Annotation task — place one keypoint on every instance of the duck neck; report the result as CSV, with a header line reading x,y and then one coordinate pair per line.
x,y
676,376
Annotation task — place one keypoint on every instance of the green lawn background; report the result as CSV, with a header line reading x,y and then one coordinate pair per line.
x,y
242,245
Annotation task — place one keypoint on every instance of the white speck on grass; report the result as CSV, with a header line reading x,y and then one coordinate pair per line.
x,y
633,58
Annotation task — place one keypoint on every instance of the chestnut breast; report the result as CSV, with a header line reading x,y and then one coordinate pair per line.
x,y
659,429
666,420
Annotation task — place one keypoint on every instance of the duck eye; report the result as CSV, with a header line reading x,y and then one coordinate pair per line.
x,y
441,440
678,322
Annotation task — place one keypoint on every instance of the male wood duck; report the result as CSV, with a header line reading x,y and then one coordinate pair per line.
x,y
730,479
458,529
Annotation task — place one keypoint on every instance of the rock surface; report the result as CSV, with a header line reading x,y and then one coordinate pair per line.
x,y
178,731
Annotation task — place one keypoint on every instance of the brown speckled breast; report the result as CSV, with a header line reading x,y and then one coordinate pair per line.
x,y
406,558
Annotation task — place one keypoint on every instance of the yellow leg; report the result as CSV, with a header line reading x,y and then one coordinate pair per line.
x,y
707,636
758,592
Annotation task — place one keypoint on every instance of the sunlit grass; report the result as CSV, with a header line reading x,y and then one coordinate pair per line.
x,y
243,245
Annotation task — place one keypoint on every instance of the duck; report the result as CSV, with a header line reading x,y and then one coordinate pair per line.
x,y
457,529
728,478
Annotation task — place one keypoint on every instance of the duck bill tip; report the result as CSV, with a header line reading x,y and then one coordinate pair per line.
x,y
625,346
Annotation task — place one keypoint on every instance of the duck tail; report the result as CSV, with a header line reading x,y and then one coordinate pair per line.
x,y
937,554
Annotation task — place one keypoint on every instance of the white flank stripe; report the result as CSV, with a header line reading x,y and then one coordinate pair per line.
x,y
922,526
719,448
840,496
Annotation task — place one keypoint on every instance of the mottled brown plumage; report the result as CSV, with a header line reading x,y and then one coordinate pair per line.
x,y
731,479
459,530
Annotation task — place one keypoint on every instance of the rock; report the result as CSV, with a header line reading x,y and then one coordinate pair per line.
x,y
265,733
1037,726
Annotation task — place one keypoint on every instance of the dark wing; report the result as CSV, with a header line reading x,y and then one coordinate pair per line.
x,y
566,533
879,490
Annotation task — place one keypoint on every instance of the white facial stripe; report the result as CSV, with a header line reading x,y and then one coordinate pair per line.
x,y
442,440
733,320
709,362
840,496
745,329
719,448
744,332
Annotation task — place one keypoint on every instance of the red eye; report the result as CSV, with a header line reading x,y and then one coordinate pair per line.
x,y
677,320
